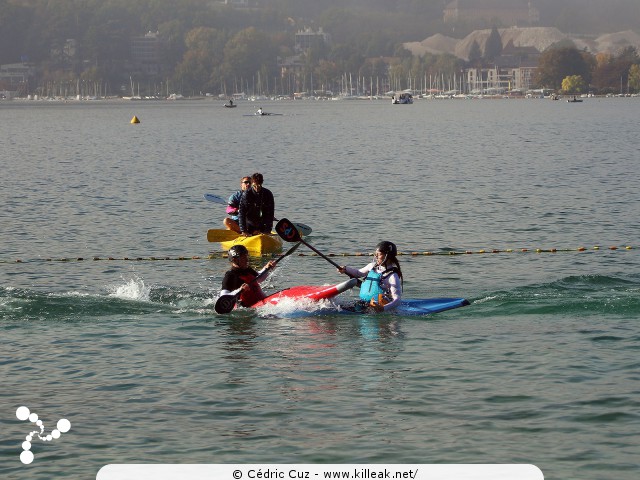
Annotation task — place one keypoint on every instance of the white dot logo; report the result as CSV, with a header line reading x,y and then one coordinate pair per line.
x,y
23,413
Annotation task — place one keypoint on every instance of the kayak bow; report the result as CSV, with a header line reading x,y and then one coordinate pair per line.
x,y
308,292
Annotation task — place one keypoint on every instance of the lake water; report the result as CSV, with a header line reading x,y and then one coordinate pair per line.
x,y
541,368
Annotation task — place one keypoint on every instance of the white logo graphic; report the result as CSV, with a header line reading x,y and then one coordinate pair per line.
x,y
23,413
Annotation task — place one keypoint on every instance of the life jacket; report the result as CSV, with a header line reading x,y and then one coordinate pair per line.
x,y
253,294
371,288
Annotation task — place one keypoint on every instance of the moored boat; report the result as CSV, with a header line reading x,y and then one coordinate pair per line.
x,y
403,99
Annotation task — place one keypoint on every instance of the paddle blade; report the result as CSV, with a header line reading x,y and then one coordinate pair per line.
x,y
303,229
221,235
225,303
215,199
287,231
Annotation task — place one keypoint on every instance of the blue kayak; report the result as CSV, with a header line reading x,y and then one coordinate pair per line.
x,y
417,306
429,305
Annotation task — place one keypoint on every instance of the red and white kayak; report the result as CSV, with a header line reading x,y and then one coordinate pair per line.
x,y
308,292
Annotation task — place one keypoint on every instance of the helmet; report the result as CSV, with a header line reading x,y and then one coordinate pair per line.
x,y
387,248
236,251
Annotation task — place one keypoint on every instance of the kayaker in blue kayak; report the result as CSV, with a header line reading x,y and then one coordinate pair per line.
x,y
257,206
242,275
381,289
231,222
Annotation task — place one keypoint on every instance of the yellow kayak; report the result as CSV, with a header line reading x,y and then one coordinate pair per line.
x,y
258,245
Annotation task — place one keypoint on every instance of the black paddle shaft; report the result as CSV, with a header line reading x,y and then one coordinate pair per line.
x,y
289,233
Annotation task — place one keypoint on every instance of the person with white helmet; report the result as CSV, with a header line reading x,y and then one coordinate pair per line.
x,y
381,289
242,275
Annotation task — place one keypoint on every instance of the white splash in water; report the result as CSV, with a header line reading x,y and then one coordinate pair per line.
x,y
134,289
289,307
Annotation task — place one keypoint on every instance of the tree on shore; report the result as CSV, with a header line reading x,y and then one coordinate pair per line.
x,y
634,78
493,47
573,84
611,71
555,64
204,52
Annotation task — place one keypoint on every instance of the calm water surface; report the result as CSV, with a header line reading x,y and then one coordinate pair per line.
x,y
542,368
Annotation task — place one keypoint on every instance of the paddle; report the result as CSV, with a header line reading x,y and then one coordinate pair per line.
x,y
215,199
304,229
226,303
289,233
221,235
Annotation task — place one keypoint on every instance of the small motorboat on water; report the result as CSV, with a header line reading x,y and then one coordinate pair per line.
x,y
230,105
262,114
403,99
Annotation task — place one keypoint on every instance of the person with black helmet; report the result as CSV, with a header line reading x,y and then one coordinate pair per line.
x,y
381,289
257,206
242,275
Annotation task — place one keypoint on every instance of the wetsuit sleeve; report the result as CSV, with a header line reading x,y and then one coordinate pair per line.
x,y
231,281
262,275
232,205
395,290
268,212
357,273
234,199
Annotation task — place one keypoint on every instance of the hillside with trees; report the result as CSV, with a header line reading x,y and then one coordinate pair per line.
x,y
212,47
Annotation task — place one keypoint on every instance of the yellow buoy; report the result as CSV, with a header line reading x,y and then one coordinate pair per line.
x,y
135,120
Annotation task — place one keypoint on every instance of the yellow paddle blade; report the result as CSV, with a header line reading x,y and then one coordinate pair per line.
x,y
221,235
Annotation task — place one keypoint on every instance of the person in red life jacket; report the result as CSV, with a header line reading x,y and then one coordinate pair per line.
x,y
381,289
242,275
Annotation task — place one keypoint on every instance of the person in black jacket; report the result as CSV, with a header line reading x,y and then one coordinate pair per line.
x,y
257,207
242,275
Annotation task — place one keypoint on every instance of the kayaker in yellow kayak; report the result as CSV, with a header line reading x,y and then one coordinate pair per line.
x,y
231,222
381,289
256,211
242,275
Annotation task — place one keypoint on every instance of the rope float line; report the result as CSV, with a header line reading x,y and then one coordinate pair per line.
x,y
213,256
